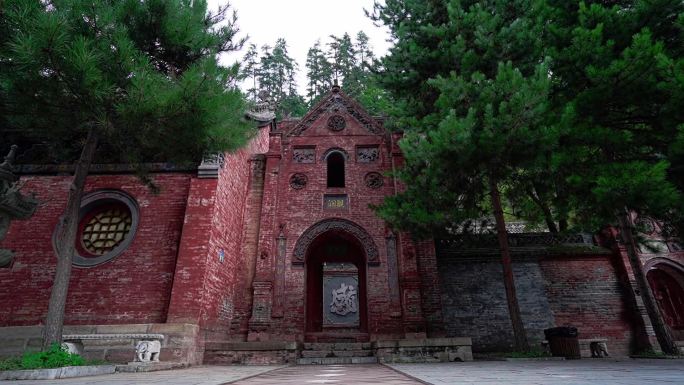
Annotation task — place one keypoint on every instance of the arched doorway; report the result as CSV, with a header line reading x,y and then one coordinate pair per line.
x,y
667,283
336,309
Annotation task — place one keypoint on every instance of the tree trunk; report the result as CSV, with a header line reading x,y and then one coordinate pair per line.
x,y
546,210
65,242
521,343
662,331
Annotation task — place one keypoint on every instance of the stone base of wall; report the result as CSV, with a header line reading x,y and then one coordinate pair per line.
x,y
424,350
251,353
182,342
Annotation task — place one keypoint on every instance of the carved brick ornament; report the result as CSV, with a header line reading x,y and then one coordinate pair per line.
x,y
373,180
305,240
367,154
336,123
303,155
298,181
646,225
337,103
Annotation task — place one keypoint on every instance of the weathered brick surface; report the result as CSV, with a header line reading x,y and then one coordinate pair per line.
x,y
204,287
474,301
133,287
586,292
297,210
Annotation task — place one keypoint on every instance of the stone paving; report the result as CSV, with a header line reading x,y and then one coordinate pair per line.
x,y
575,372
331,374
201,375
581,372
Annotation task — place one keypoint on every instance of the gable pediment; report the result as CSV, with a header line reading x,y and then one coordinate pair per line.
x,y
337,102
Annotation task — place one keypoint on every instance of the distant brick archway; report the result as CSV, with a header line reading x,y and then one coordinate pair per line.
x,y
666,278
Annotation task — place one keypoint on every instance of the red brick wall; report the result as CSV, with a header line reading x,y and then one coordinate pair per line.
x,y
132,288
297,210
224,282
586,292
204,288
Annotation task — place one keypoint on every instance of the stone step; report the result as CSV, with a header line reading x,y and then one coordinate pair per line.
x,y
337,353
337,346
336,360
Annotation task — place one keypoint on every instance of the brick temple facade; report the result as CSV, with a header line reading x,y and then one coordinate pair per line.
x,y
257,252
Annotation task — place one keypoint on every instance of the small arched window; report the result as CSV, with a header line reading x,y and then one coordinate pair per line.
x,y
335,170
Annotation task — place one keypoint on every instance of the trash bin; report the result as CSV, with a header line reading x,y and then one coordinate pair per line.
x,y
563,342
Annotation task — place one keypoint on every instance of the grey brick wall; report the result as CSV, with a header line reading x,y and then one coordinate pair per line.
x,y
474,301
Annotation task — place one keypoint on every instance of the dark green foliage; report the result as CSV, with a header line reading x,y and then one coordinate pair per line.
x,y
144,73
276,75
54,357
249,71
319,73
479,117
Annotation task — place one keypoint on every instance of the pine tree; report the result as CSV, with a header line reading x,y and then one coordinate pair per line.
x,y
618,69
249,71
319,73
89,74
474,83
276,75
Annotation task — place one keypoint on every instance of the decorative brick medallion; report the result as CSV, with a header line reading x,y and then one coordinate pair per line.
x,y
373,180
336,123
298,181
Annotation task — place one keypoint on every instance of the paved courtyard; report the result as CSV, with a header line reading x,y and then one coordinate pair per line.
x,y
632,372
579,372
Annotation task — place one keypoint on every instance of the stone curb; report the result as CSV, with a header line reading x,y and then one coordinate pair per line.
x,y
57,373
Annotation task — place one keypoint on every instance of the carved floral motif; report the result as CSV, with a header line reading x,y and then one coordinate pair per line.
x,y
373,180
303,155
336,123
367,154
298,181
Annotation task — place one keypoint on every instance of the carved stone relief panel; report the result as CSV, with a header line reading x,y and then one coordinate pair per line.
x,y
304,155
367,154
340,300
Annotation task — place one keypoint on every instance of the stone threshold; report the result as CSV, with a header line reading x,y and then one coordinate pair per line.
x,y
57,373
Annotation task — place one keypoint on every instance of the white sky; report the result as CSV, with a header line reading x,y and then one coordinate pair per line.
x,y
301,23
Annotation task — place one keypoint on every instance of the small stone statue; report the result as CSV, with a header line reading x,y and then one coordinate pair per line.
x,y
147,351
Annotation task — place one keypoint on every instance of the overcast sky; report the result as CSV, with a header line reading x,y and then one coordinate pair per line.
x,y
301,23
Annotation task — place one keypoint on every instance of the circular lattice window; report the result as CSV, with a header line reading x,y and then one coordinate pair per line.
x,y
106,229
107,224
336,123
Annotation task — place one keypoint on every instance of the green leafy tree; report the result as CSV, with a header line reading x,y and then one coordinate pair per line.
x,y
135,77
